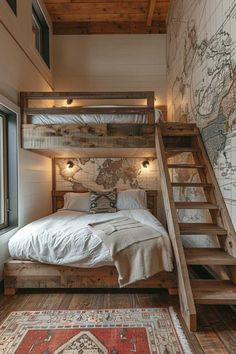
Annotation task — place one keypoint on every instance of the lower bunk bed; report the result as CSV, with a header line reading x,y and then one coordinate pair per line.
x,y
74,249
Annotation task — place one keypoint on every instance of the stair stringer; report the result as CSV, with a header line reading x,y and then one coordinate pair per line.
x,y
187,305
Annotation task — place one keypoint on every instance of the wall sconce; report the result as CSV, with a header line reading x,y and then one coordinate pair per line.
x,y
69,101
145,163
70,164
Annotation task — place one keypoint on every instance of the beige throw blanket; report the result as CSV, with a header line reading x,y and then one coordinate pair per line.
x,y
138,250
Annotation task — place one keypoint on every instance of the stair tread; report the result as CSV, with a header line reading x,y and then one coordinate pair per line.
x,y
177,165
208,256
195,205
213,291
189,184
179,132
176,125
201,228
181,149
183,129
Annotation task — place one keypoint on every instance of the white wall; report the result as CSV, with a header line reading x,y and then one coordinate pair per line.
x,y
34,195
23,69
111,63
35,186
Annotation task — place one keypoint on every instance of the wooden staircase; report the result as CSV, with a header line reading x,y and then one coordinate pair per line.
x,y
173,139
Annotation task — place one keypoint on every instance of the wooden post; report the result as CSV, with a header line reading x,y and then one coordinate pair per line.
x,y
9,291
23,106
151,107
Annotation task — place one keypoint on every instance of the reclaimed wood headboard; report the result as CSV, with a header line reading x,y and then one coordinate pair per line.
x,y
154,202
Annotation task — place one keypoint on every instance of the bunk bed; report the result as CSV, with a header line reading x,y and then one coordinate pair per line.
x,y
146,135
103,129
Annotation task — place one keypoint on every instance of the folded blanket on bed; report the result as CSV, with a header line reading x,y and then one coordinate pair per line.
x,y
134,248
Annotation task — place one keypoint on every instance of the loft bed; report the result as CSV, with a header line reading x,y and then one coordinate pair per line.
x,y
140,136
116,124
109,127
78,131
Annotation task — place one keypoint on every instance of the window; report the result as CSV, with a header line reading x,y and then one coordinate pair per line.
x,y
12,4
8,169
40,31
3,173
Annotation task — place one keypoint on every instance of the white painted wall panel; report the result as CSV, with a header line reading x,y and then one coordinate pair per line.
x,y
111,63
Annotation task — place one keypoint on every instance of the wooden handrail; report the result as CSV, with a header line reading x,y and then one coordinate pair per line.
x,y
88,95
87,110
148,108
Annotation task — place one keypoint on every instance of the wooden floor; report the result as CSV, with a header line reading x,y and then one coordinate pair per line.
x,y
217,324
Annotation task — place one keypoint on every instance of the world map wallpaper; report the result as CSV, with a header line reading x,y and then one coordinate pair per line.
x,y
106,173
201,45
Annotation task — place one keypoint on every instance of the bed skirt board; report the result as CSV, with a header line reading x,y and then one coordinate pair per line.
x,y
26,274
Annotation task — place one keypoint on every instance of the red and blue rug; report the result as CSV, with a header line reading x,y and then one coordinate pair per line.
x,y
124,331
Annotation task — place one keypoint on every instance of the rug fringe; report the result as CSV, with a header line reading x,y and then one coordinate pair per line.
x,y
179,329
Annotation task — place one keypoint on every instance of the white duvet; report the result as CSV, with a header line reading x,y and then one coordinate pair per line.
x,y
64,238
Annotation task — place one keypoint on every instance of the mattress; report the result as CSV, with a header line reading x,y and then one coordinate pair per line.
x,y
64,238
43,119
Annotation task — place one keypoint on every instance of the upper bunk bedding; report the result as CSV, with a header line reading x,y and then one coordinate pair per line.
x,y
83,119
68,238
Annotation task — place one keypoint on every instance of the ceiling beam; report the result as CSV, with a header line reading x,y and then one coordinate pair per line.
x,y
150,13
71,28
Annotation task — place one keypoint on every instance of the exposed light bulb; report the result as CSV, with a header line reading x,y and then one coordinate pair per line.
x,y
70,164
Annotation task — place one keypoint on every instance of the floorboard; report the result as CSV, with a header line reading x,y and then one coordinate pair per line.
x,y
217,324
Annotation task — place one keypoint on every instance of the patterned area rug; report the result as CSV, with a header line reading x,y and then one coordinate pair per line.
x,y
141,331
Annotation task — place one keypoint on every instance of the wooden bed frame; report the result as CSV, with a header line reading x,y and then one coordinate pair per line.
x,y
90,140
26,274
29,109
154,201
113,143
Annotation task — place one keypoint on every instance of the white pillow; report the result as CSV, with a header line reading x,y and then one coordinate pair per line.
x,y
131,199
77,201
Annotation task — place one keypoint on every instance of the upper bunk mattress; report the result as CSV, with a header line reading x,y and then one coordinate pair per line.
x,y
43,119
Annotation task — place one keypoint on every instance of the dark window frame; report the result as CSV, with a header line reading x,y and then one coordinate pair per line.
x,y
42,43
13,5
4,172
11,169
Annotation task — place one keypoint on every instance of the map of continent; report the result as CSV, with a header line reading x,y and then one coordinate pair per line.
x,y
106,173
202,51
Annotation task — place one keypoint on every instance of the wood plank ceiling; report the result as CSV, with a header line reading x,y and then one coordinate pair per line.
x,y
108,17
